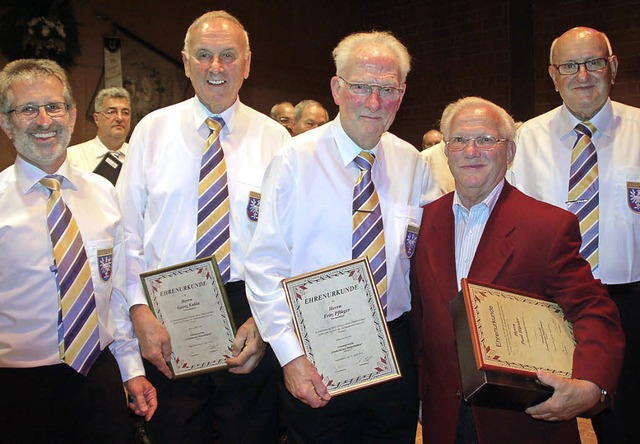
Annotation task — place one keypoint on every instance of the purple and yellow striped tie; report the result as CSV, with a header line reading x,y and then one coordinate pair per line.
x,y
213,203
584,191
368,236
78,336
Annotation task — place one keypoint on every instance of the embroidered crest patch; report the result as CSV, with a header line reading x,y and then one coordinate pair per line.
x,y
411,239
633,196
105,262
253,206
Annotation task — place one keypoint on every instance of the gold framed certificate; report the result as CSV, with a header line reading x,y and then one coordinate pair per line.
x,y
503,337
341,326
189,299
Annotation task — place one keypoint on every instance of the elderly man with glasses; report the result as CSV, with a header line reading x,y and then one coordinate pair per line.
x,y
584,156
489,231
307,223
112,116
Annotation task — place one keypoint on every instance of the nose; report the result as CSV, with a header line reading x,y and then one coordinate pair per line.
x,y
42,119
216,65
373,101
583,73
471,149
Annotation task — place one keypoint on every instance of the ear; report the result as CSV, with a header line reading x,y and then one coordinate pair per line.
x,y
185,63
511,152
613,66
335,89
553,73
95,118
404,91
247,67
73,112
6,126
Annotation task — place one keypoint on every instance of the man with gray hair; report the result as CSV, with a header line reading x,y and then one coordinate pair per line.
x,y
66,340
112,116
489,231
307,222
307,115
282,113
584,156
190,189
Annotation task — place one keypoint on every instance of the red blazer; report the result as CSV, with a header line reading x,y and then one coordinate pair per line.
x,y
527,245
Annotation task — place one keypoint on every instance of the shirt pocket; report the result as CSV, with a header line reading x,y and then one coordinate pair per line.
x,y
627,194
248,201
407,224
100,257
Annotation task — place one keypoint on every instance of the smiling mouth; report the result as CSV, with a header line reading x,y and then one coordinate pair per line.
x,y
216,82
44,135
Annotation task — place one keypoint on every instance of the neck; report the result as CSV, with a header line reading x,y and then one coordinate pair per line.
x,y
112,143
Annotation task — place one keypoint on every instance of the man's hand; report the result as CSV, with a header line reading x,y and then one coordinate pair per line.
x,y
571,397
247,349
143,400
304,382
153,338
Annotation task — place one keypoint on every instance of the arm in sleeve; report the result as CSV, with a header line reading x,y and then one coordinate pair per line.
x,y
269,261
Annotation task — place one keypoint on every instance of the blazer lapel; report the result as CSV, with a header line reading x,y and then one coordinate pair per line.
x,y
442,252
495,247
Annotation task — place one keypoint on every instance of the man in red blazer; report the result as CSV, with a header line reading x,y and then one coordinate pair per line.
x,y
491,232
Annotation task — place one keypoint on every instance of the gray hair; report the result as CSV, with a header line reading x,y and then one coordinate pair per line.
x,y
507,126
591,30
343,53
299,109
274,108
31,69
213,15
110,93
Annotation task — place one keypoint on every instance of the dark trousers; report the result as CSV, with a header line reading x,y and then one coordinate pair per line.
x,y
55,404
231,408
385,413
622,424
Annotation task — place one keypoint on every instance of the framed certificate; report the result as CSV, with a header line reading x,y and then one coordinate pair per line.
x,y
503,336
341,326
189,299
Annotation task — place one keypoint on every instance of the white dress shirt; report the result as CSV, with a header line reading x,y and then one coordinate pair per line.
x,y
469,226
158,184
439,165
86,156
28,294
306,221
541,170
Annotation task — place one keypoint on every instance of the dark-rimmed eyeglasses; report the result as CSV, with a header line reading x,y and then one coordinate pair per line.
x,y
483,143
30,111
590,65
365,90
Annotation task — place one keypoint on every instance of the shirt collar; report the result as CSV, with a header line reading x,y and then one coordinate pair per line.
x,y
603,121
488,202
101,149
347,148
28,175
201,113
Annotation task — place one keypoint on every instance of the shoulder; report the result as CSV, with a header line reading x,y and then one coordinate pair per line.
x,y
81,146
538,122
626,111
168,114
7,177
532,212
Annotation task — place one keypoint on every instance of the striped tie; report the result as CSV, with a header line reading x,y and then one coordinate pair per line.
x,y
78,337
213,203
368,236
583,191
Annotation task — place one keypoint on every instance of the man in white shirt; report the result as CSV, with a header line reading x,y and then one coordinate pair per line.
x,y
65,398
306,224
159,192
583,68
112,116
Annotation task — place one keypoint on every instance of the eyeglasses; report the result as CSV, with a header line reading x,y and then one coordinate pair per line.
x,y
30,111
365,90
483,143
590,65
110,113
